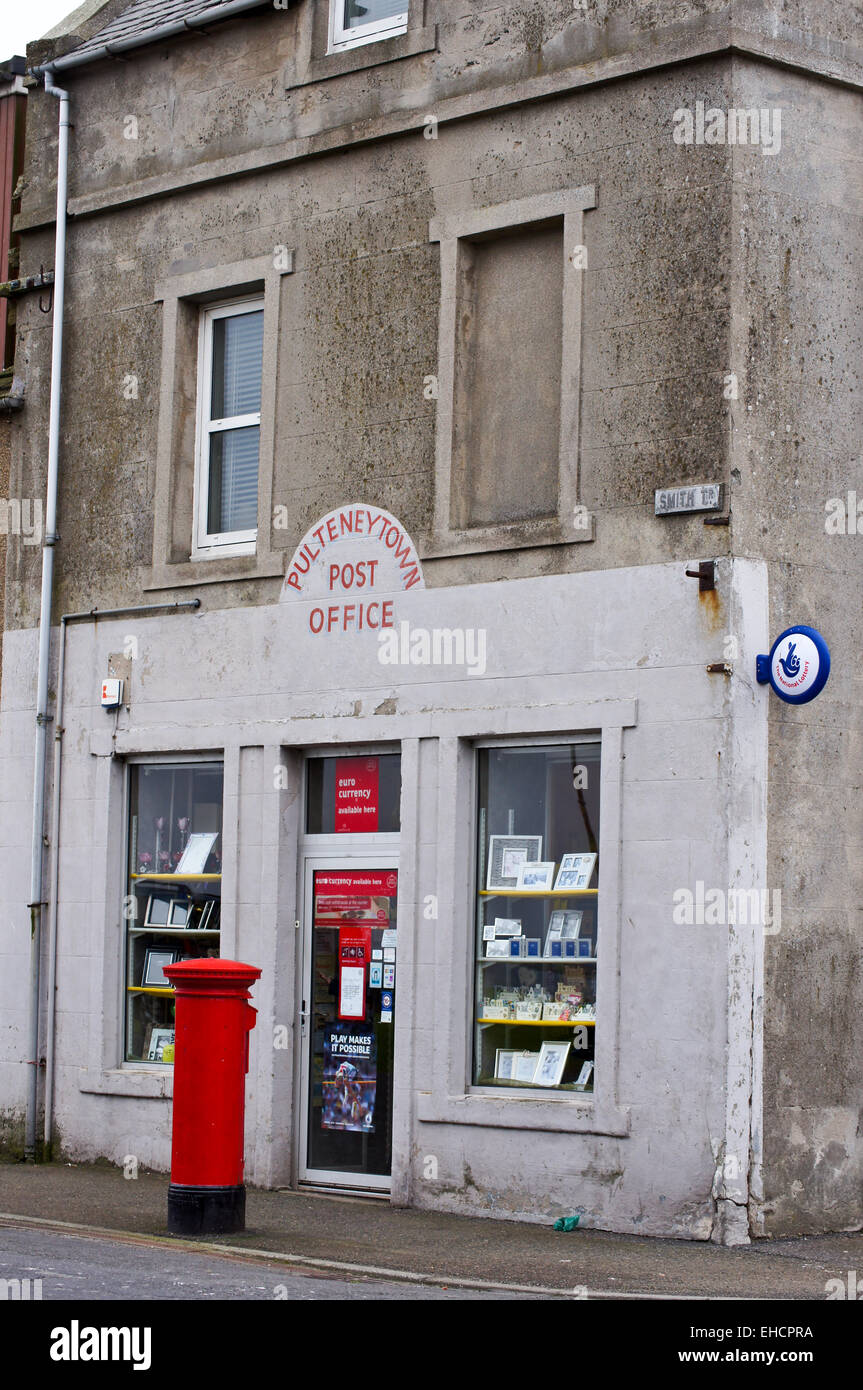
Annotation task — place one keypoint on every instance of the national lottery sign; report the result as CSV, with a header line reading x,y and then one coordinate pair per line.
x,y
798,665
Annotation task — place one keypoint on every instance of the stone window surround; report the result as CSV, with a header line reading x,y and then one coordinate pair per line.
x,y
452,1098
313,63
568,205
201,288
232,542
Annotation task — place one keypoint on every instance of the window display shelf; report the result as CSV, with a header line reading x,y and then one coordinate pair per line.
x,y
538,892
179,878
174,931
150,989
541,1022
532,1086
537,960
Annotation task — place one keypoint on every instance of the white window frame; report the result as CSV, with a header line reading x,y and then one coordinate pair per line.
x,y
208,544
341,38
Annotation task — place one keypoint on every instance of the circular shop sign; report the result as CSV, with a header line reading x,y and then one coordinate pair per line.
x,y
799,665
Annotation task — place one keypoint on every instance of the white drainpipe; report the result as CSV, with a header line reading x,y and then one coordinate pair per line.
x,y
50,540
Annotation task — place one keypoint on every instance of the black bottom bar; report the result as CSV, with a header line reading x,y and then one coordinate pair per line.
x,y
200,1211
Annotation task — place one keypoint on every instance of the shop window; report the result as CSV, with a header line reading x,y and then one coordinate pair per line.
x,y
352,23
536,918
229,427
353,795
172,908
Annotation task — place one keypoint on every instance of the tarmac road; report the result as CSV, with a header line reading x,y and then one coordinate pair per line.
x,y
78,1268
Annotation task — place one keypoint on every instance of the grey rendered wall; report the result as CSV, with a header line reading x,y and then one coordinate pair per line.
x,y
798,348
627,650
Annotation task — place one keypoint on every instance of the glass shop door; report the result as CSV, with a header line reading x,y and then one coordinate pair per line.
x,y
347,1018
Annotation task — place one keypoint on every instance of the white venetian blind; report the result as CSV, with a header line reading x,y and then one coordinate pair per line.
x,y
235,396
371,11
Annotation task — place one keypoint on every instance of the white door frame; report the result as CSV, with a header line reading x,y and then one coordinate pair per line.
x,y
332,852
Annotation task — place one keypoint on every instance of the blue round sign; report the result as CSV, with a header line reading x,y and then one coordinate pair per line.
x,y
798,665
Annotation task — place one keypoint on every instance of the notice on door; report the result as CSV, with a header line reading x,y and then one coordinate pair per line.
x,y
356,809
350,1078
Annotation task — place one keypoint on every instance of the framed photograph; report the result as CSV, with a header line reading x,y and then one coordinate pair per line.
x,y
524,1066
536,876
584,1076
160,1038
154,967
554,936
552,1060
198,849
571,926
497,950
532,946
488,931
506,926
158,909
180,914
506,854
552,1013
576,871
585,947
504,1064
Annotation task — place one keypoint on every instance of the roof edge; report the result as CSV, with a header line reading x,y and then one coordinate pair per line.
x,y
212,15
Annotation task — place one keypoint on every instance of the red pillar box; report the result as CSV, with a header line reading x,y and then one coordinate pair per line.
x,y
211,1059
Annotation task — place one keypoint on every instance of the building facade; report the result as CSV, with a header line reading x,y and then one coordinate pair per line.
x,y
383,327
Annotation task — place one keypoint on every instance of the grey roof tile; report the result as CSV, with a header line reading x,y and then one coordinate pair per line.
x,y
146,15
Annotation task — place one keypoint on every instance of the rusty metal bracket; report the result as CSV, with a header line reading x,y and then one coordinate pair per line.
x,y
705,574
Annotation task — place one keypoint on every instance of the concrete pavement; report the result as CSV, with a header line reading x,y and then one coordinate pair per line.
x,y
347,1235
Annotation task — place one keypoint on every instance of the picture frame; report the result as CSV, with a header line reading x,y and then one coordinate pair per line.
x,y
554,936
524,1066
504,1063
199,847
552,1060
206,914
506,926
536,877
585,948
155,960
506,853
159,1039
584,1076
576,871
571,926
497,950
180,914
158,912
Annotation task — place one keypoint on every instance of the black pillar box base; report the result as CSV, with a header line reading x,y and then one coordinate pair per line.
x,y
199,1211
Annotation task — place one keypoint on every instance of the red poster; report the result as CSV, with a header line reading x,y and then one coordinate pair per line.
x,y
356,794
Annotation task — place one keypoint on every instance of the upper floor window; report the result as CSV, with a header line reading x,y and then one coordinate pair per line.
x,y
229,427
352,23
